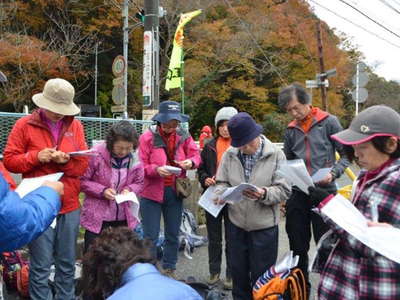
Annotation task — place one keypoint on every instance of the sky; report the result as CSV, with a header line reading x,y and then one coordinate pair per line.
x,y
382,56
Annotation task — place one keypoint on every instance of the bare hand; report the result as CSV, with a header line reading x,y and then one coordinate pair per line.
x,y
125,191
186,164
58,186
254,195
109,194
60,157
378,224
282,208
209,181
162,171
44,156
327,180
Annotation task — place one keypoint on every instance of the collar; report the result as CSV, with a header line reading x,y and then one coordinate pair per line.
x,y
137,270
317,113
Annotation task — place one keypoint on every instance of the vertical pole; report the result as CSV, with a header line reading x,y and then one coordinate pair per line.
x,y
95,75
182,83
151,23
321,68
125,46
357,86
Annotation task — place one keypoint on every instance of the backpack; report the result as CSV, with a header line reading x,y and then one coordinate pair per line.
x,y
188,239
289,286
15,272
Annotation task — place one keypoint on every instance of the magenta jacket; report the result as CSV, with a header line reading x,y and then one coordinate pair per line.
x,y
96,179
152,155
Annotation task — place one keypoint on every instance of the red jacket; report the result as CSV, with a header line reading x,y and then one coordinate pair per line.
x,y
29,136
7,176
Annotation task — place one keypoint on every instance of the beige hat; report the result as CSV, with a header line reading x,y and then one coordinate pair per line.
x,y
58,97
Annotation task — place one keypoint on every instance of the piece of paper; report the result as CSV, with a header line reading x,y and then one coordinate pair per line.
x,y
89,152
320,174
295,171
131,196
27,185
173,170
206,201
384,240
235,193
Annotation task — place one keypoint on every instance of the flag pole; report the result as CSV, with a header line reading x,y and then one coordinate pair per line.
x,y
182,82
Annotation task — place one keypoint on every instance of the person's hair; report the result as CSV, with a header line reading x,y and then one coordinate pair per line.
x,y
110,255
288,93
379,143
121,131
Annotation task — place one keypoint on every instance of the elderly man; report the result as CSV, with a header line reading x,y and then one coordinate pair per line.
x,y
253,231
308,137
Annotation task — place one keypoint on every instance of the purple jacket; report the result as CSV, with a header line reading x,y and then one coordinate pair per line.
x,y
96,179
152,155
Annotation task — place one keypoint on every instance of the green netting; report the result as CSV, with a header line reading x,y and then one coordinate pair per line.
x,y
95,128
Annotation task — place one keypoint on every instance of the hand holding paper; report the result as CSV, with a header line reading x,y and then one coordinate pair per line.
x,y
296,172
27,185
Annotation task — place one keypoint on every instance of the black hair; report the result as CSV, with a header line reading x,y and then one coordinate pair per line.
x,y
110,255
121,131
288,93
379,143
219,123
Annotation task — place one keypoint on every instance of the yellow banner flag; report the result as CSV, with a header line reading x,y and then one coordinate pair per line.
x,y
174,77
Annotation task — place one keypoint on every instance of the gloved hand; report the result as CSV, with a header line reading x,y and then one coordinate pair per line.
x,y
317,195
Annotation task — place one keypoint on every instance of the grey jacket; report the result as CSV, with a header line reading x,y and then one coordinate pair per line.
x,y
254,214
316,147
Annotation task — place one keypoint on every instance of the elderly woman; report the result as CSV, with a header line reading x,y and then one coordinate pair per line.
x,y
114,170
162,146
353,270
39,145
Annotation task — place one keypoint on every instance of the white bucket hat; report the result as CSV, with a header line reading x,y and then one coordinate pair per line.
x,y
58,97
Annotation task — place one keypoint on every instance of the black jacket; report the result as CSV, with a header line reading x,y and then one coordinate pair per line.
x,y
208,166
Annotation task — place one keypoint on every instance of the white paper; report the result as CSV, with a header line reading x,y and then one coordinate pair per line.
x,y
27,185
173,170
320,174
235,193
89,152
131,196
295,171
206,201
384,240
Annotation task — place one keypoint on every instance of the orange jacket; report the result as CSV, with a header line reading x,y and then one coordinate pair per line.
x,y
29,136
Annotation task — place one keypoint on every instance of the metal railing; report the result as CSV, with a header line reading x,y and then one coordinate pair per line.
x,y
95,128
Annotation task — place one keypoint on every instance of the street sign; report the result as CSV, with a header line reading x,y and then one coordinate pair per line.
x,y
118,66
362,79
118,81
311,84
118,94
147,67
117,108
362,95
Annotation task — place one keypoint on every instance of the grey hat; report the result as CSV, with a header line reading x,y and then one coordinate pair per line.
x,y
225,113
378,120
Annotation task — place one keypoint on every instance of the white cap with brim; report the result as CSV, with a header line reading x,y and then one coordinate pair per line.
x,y
58,97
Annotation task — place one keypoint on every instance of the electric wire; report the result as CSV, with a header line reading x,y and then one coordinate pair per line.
x,y
390,6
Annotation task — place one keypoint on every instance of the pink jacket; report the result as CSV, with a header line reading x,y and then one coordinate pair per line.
x,y
152,154
97,178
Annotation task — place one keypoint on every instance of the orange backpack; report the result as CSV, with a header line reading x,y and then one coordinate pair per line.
x,y
292,287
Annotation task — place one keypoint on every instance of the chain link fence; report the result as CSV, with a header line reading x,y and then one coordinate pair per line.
x,y
95,128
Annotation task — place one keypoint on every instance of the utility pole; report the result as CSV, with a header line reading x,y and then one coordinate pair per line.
x,y
95,74
151,71
321,67
125,53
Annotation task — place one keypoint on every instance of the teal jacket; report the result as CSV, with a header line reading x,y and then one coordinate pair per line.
x,y
23,220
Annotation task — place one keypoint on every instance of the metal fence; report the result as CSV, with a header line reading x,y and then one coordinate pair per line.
x,y
95,128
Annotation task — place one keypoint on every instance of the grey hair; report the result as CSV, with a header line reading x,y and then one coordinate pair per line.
x,y
288,93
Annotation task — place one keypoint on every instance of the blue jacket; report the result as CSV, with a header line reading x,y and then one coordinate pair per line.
x,y
144,281
22,220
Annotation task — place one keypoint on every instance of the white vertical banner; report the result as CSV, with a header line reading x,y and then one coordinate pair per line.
x,y
147,67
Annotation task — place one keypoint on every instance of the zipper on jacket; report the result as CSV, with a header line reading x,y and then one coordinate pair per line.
x,y
308,153
116,189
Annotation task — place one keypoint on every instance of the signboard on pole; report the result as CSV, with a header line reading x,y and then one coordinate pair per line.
x,y
147,68
118,94
118,66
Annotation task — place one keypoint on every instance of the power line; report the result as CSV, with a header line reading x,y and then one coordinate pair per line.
x,y
390,6
275,69
355,24
368,17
